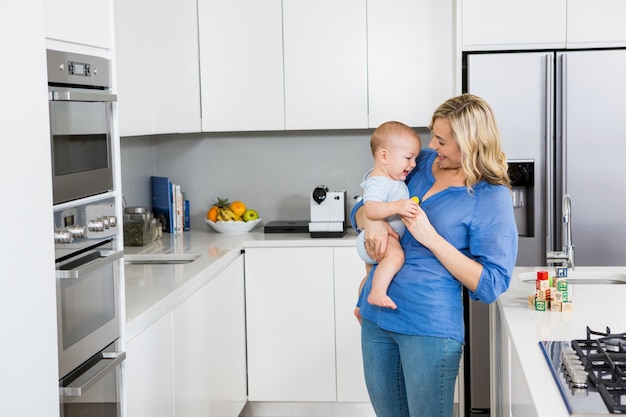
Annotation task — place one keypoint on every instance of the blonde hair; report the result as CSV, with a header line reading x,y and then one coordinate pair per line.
x,y
474,127
384,133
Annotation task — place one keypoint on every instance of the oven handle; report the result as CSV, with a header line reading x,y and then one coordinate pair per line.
x,y
87,380
66,95
103,259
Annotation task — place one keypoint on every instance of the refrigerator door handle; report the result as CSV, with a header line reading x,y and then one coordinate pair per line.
x,y
549,150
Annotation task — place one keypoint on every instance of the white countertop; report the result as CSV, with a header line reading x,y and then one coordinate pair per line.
x,y
596,306
154,289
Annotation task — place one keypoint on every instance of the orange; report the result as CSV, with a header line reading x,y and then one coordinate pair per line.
x,y
238,208
212,214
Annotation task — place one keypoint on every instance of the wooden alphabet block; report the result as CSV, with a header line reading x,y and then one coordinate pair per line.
x,y
531,300
543,294
567,307
540,305
556,306
562,285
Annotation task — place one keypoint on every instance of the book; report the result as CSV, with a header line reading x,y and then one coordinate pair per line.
x,y
185,213
161,188
179,209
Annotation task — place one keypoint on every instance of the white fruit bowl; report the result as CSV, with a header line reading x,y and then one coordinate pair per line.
x,y
232,227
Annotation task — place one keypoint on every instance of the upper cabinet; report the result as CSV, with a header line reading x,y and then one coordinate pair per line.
x,y
159,81
276,65
219,65
494,24
241,65
80,22
410,60
532,24
305,65
596,23
325,64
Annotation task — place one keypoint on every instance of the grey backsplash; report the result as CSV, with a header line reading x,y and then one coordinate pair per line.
x,y
271,172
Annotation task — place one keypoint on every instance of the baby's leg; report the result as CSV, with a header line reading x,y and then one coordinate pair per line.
x,y
384,273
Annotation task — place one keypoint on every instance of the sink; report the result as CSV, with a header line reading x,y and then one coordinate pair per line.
x,y
589,277
160,258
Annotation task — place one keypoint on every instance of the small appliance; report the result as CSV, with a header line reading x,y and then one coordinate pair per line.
x,y
328,212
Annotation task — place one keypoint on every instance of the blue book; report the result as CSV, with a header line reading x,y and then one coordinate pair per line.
x,y
161,188
186,213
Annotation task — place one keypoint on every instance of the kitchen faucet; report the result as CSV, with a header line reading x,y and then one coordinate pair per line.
x,y
566,256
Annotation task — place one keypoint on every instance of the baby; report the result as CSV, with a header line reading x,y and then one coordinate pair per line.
x,y
386,196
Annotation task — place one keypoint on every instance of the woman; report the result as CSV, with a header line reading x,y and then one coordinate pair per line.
x,y
464,235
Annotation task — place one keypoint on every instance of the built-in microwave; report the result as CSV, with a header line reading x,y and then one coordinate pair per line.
x,y
81,128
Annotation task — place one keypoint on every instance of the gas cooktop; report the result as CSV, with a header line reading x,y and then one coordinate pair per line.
x,y
590,372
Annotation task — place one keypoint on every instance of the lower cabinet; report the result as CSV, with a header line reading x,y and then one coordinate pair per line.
x,y
349,270
290,324
210,348
511,392
192,362
303,340
149,371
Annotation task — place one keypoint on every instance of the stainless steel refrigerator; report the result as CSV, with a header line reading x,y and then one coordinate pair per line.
x,y
564,112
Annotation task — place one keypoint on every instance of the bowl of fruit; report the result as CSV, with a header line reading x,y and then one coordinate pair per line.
x,y
232,218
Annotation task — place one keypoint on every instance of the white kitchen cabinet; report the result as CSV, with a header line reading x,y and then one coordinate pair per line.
x,y
494,24
28,304
210,348
241,65
159,80
290,324
511,395
149,371
410,59
595,24
325,64
349,270
80,22
553,24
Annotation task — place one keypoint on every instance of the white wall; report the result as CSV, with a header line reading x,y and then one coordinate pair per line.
x,y
272,172
28,351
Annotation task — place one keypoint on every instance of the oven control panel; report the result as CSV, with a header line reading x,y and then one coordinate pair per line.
x,y
89,221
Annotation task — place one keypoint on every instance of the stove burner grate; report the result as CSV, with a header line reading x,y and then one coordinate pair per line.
x,y
604,359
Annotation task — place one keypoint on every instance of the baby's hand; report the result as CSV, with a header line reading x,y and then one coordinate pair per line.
x,y
408,208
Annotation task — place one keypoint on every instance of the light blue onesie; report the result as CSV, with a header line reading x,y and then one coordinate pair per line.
x,y
382,189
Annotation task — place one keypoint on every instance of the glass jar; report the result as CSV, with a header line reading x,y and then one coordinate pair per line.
x,y
138,226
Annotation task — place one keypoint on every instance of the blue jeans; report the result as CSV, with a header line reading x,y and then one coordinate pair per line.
x,y
409,376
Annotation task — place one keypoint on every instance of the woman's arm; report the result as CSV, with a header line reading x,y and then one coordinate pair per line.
x,y
464,269
376,233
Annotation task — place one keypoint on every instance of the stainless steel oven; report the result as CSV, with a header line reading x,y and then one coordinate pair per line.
x,y
88,308
81,114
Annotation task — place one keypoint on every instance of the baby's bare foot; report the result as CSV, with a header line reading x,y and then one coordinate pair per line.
x,y
381,300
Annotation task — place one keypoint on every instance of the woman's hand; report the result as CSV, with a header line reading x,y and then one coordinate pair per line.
x,y
465,270
376,234
357,314
420,227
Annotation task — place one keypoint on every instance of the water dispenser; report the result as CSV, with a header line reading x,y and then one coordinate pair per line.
x,y
522,174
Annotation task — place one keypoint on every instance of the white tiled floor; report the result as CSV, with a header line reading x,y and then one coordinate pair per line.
x,y
267,409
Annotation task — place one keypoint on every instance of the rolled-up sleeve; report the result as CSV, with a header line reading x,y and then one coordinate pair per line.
x,y
493,242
